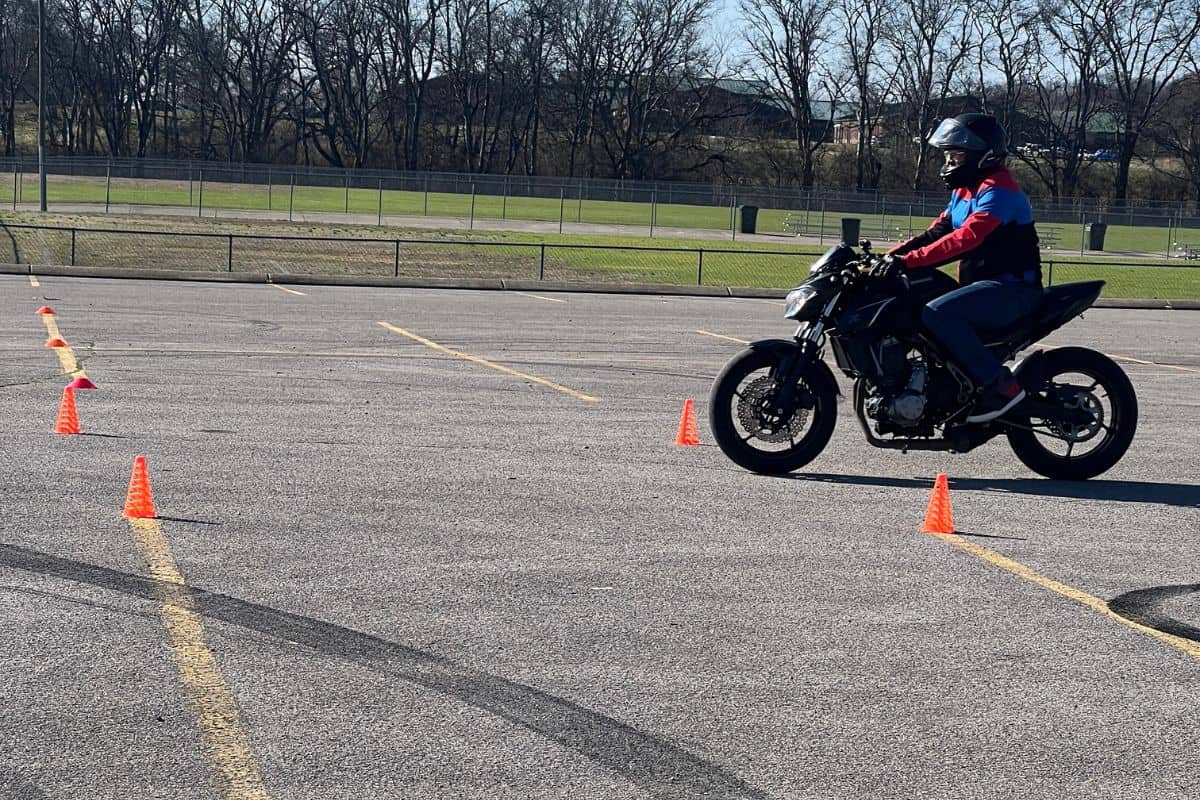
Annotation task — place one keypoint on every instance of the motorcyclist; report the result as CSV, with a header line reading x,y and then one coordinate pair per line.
x,y
988,227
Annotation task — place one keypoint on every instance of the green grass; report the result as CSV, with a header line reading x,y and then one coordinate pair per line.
x,y
284,199
342,249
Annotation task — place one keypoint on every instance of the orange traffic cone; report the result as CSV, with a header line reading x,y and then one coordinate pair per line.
x,y
687,426
139,502
44,310
68,419
55,341
938,518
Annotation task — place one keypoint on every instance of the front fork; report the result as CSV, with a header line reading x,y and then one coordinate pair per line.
x,y
809,345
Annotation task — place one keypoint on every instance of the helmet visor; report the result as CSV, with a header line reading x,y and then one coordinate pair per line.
x,y
953,135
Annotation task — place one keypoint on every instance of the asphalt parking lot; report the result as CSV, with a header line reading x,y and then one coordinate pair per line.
x,y
385,567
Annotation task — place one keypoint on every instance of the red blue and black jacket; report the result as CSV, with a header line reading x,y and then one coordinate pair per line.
x,y
987,227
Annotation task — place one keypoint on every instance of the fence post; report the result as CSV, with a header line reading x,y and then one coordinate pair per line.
x,y
562,195
270,185
191,196
700,267
230,262
347,191
427,195
1170,227
291,194
471,221
733,217
396,272
653,209
579,207
542,264
821,232
1050,273
504,200
379,219
16,180
200,198
72,247
107,186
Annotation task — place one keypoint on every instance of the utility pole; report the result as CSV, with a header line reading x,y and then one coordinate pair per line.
x,y
41,103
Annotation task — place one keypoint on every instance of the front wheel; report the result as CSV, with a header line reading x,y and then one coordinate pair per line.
x,y
750,427
1099,393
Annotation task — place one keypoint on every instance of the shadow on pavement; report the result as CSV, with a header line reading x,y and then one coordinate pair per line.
x,y
1185,495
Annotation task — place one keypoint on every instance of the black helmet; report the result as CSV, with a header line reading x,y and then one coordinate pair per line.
x,y
983,139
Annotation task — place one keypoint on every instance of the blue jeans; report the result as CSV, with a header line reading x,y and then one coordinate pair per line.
x,y
958,320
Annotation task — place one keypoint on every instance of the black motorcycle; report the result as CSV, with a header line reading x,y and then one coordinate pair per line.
x,y
773,407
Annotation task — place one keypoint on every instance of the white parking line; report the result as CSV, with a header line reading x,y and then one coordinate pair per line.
x,y
33,281
539,297
285,289
721,336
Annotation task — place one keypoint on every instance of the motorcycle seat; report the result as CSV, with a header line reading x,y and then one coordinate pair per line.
x,y
1059,304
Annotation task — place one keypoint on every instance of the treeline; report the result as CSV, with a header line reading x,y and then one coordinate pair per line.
x,y
792,92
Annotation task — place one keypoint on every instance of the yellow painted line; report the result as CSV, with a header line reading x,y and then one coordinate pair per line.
x,y
66,356
721,336
225,741
539,297
587,398
1152,363
1130,359
33,281
285,289
1083,598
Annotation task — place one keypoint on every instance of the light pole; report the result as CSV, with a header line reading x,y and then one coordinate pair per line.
x,y
41,111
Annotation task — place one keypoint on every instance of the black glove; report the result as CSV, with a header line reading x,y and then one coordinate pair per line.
x,y
888,266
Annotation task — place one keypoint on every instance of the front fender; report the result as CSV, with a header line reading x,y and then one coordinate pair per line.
x,y
787,351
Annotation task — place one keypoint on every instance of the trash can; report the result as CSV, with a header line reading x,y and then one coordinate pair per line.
x,y
850,229
1094,232
749,218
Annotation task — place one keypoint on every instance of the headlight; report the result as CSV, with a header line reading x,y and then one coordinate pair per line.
x,y
800,294
803,303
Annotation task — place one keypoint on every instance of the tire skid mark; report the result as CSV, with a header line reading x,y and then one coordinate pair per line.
x,y
652,763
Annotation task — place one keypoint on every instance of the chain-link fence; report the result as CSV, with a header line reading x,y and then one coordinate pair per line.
x,y
551,203
426,258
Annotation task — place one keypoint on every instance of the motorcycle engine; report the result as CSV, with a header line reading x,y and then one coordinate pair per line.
x,y
900,398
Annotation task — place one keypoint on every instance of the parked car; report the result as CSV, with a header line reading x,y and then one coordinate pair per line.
x,y
1104,154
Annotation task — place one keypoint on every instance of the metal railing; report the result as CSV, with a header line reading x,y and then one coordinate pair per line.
x,y
439,258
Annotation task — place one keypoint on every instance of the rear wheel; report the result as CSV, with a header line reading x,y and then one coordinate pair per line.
x,y
1100,393
757,435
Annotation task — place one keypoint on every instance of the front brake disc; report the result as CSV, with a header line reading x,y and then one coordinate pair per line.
x,y
755,412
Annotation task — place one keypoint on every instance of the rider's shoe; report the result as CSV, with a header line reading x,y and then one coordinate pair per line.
x,y
1000,397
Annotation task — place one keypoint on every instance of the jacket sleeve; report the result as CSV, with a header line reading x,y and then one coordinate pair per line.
x,y
956,243
940,227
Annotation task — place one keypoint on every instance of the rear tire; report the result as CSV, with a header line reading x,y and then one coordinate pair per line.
x,y
1117,423
733,400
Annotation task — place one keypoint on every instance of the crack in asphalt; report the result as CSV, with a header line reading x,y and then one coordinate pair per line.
x,y
647,761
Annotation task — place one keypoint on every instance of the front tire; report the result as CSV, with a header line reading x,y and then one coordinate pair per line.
x,y
1086,380
750,434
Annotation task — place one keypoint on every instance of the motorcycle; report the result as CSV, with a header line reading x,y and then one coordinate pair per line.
x,y
773,407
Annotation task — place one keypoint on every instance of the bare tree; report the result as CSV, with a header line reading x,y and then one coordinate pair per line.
x,y
249,50
1069,92
586,41
18,55
662,78
407,41
1146,43
788,39
931,41
863,23
337,78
